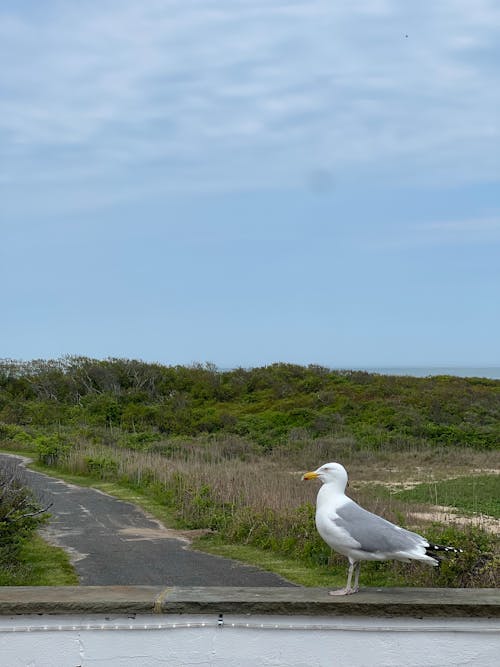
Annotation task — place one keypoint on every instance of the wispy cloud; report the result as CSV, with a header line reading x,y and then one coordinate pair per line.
x,y
241,94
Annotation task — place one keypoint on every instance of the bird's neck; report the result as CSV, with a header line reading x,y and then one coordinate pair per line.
x,y
331,492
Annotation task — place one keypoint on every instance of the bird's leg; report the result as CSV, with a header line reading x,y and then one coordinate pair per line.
x,y
356,577
348,590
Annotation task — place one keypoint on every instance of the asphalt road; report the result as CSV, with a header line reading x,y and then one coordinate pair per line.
x,y
112,542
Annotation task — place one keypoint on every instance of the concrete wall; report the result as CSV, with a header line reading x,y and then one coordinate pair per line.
x,y
246,641
143,626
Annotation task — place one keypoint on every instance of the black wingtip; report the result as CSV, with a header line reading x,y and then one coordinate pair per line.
x,y
440,547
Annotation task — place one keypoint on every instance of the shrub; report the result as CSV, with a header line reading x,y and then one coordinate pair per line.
x,y
10,433
142,440
103,467
20,515
51,448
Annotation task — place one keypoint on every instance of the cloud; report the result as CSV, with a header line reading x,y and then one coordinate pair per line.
x,y
213,95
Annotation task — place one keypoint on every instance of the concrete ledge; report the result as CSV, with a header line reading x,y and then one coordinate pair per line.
x,y
409,602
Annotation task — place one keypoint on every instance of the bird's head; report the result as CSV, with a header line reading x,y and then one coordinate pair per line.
x,y
328,473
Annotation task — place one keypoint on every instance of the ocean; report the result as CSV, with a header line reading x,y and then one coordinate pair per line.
x,y
491,372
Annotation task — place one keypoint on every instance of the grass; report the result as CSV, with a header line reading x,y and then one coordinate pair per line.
x,y
475,494
334,574
40,564
288,568
322,576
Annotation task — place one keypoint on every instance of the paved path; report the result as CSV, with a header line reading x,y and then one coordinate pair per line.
x,y
113,542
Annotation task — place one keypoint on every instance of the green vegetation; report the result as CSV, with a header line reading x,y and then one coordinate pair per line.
x,y
304,574
20,515
39,564
25,559
139,404
476,493
223,452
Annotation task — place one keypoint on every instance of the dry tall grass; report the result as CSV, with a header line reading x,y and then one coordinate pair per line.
x,y
260,483
238,474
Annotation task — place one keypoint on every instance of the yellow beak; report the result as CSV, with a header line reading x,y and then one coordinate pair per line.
x,y
310,475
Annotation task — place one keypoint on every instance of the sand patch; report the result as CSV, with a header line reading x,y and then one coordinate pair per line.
x,y
449,515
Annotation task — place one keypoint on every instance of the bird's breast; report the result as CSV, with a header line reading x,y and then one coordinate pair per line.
x,y
334,535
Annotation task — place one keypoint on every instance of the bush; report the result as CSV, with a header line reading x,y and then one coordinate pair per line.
x,y
478,565
103,467
20,515
141,441
10,433
51,448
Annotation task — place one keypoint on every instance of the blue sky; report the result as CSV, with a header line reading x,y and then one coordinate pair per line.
x,y
245,182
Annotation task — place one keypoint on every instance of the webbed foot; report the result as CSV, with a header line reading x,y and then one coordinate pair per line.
x,y
345,591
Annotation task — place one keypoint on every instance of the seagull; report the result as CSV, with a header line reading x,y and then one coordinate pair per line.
x,y
360,535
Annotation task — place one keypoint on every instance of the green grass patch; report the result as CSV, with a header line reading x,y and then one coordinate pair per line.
x,y
475,493
39,564
288,568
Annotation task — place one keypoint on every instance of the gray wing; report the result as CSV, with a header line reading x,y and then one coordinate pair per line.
x,y
374,533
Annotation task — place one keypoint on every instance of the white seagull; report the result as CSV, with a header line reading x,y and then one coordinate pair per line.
x,y
360,535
